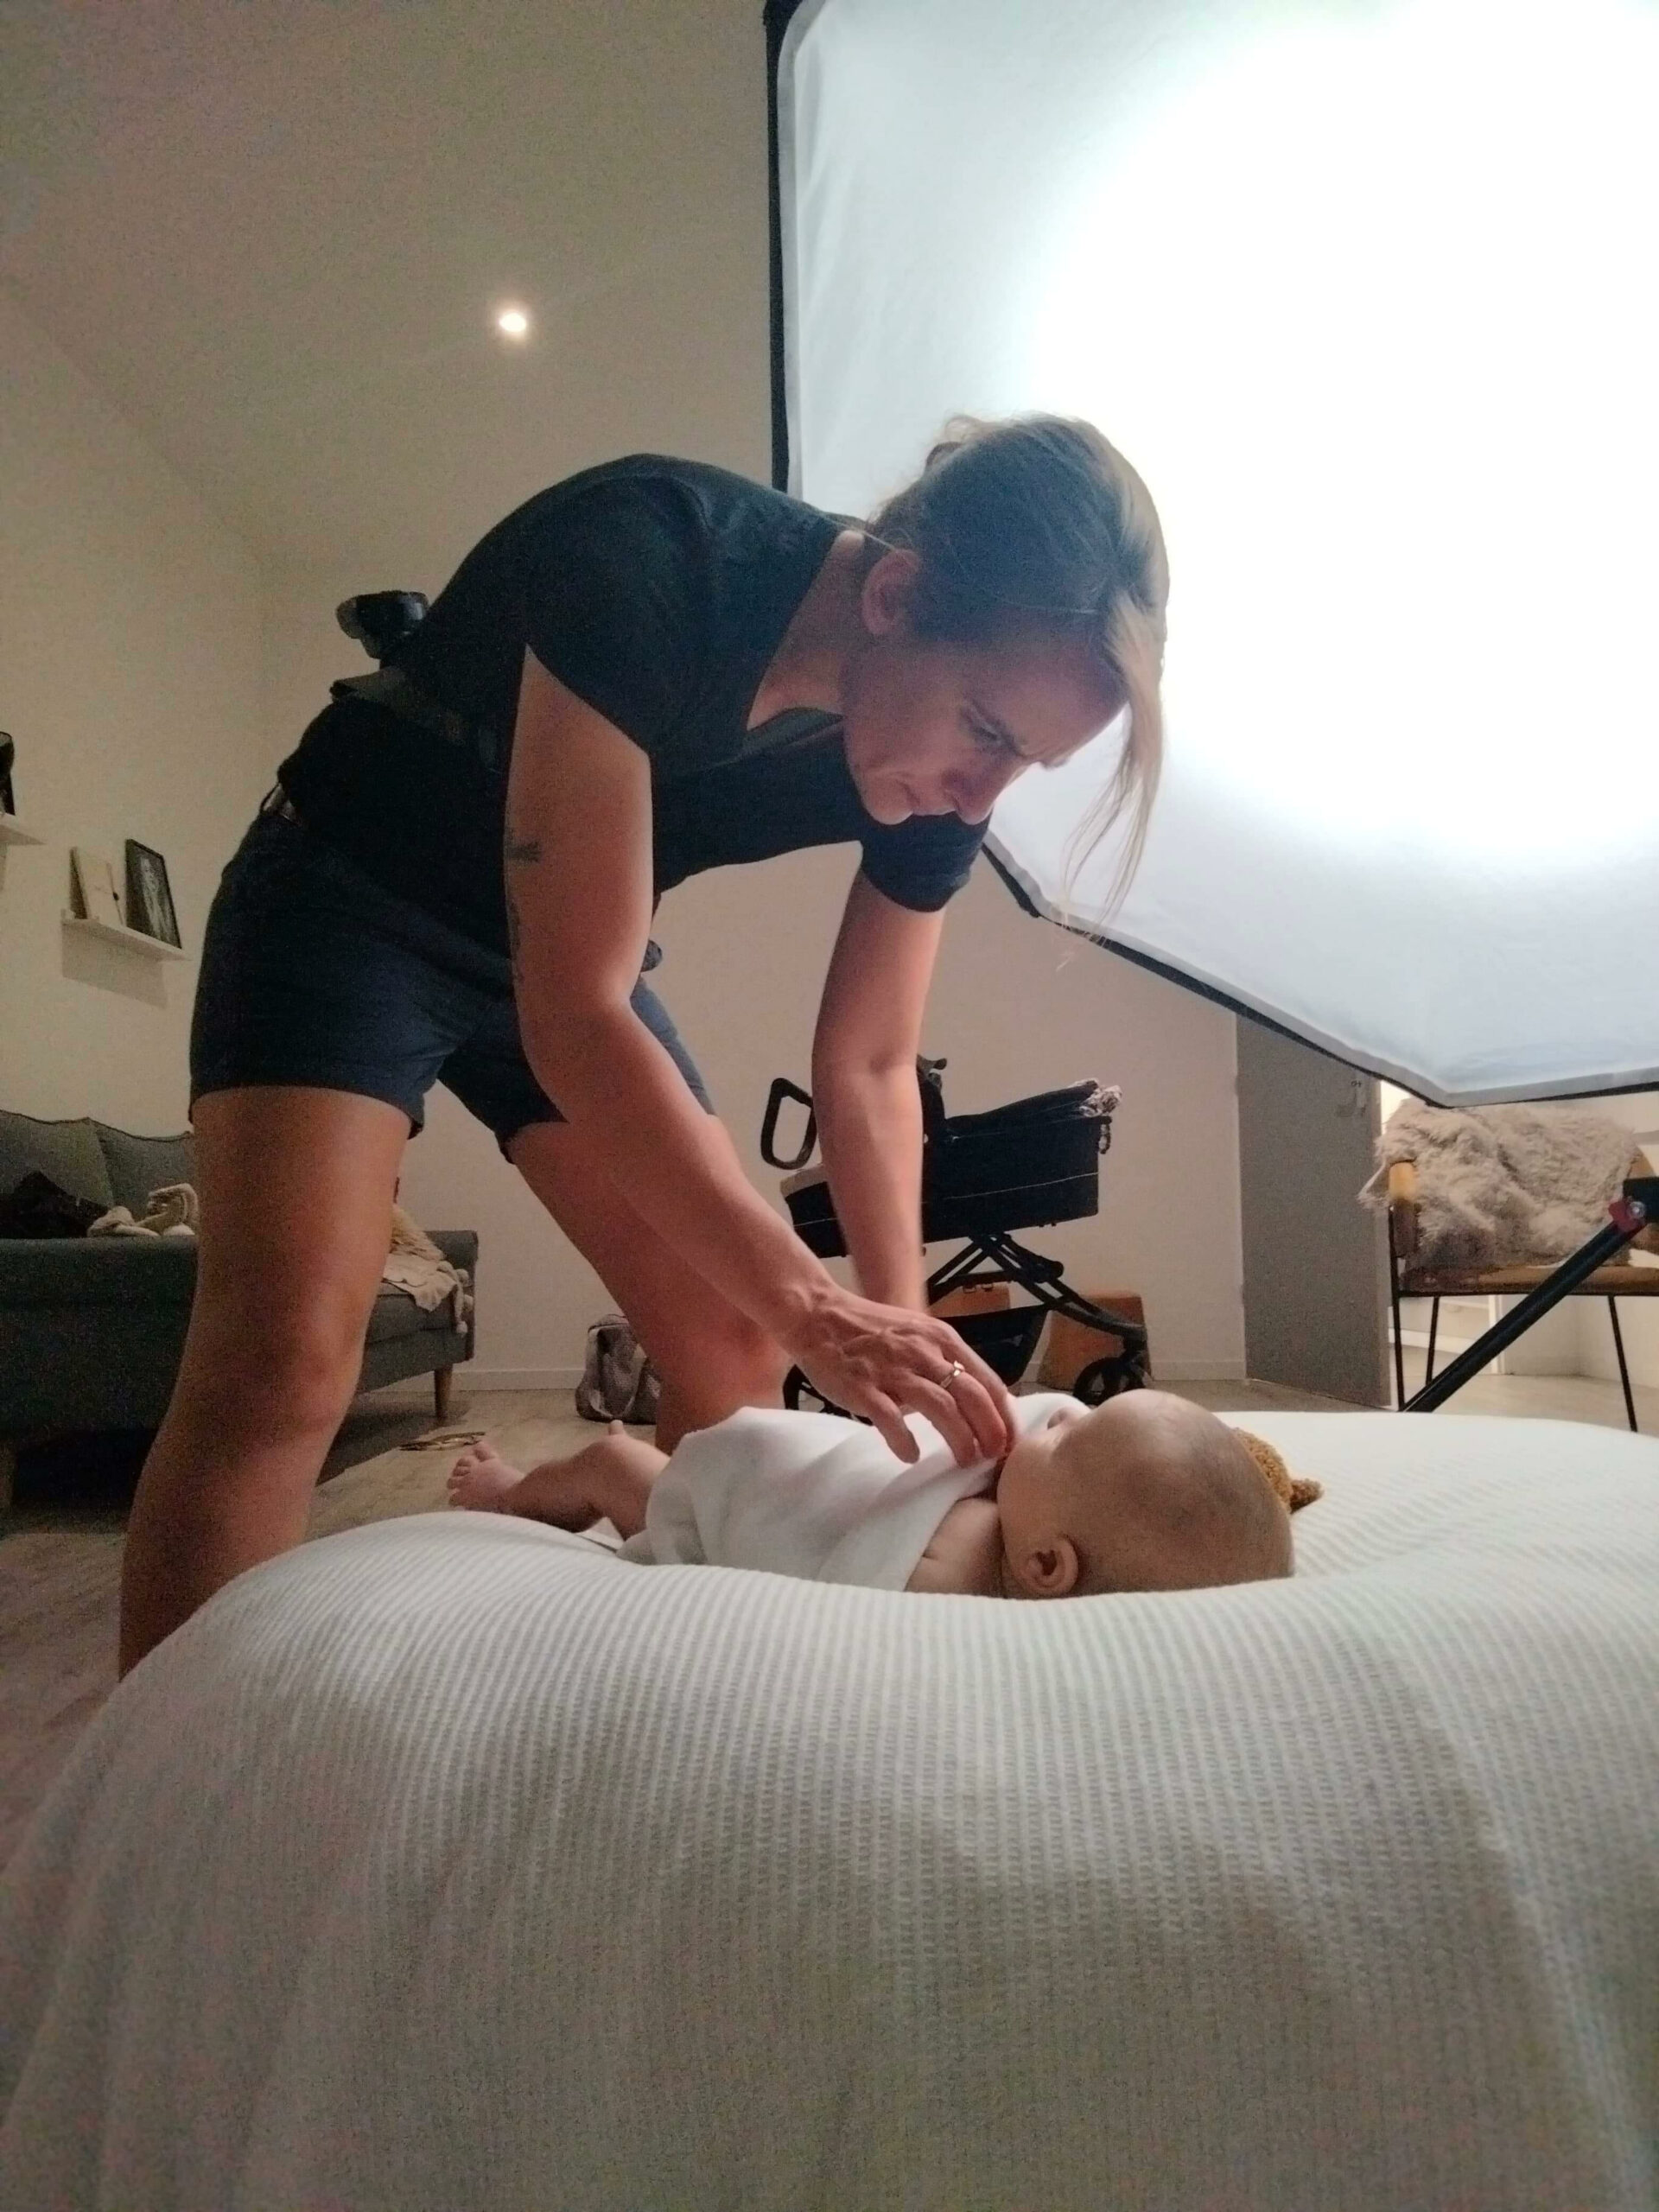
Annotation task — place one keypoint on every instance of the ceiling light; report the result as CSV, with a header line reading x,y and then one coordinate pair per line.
x,y
513,322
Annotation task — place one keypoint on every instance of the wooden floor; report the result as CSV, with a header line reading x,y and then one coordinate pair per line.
x,y
59,1561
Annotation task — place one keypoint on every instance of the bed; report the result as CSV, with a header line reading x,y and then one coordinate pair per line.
x,y
450,1863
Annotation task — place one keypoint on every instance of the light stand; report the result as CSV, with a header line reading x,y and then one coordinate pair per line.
x,y
1628,1216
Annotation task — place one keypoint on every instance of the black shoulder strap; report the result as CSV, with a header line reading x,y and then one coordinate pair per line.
x,y
390,689
791,732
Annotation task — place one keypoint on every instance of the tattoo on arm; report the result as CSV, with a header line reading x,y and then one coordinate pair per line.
x,y
521,852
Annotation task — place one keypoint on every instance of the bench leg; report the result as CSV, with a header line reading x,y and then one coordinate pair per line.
x,y
1623,1370
441,1379
1393,1301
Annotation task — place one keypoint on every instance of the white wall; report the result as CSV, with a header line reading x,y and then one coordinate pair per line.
x,y
130,678
1016,1009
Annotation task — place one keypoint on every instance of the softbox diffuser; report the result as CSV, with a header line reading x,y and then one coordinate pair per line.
x,y
1365,291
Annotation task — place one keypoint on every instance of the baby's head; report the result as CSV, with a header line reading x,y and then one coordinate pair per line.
x,y
1146,1493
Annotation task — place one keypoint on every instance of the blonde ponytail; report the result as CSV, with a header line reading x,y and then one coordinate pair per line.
x,y
1132,651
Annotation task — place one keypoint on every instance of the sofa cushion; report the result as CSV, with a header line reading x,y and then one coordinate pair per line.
x,y
396,1314
66,1151
98,1271
138,1166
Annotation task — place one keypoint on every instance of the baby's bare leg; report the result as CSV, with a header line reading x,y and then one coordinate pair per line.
x,y
609,1480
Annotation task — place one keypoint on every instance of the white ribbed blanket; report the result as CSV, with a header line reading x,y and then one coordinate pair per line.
x,y
449,1865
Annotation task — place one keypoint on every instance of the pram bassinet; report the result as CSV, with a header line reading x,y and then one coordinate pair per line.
x,y
1031,1163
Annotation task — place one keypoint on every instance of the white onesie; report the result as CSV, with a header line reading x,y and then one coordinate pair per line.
x,y
811,1495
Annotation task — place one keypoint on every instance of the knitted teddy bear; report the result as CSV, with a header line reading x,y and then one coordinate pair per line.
x,y
1293,1492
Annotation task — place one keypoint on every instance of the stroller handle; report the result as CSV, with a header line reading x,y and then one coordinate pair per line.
x,y
782,1089
928,1078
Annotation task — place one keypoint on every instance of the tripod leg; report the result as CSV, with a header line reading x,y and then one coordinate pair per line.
x,y
1433,1330
1627,1216
1393,1300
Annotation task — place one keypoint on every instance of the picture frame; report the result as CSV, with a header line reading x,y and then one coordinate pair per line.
x,y
150,895
94,886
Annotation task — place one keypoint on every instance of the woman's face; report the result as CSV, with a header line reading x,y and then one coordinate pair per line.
x,y
946,730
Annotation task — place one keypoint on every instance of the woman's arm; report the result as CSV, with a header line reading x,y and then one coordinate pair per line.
x,y
864,1087
579,897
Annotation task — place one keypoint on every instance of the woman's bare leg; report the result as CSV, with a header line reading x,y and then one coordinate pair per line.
x,y
711,1357
297,1187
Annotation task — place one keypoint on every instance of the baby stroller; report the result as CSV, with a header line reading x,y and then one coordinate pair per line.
x,y
983,1176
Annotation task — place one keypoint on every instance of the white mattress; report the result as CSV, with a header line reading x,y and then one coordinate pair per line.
x,y
452,1863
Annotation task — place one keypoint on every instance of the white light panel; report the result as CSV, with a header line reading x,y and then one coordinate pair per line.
x,y
1367,294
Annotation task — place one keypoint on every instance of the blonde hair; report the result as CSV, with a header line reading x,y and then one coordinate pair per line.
x,y
1038,525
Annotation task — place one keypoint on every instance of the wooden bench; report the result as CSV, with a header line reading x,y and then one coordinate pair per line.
x,y
1409,1278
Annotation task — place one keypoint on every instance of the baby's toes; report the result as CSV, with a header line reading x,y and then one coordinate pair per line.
x,y
461,1474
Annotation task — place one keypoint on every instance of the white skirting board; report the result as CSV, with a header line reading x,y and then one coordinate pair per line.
x,y
471,1378
517,1378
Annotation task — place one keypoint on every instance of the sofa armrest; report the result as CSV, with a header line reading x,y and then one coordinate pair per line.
x,y
458,1245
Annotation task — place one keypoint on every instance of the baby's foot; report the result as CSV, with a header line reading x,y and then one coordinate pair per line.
x,y
481,1479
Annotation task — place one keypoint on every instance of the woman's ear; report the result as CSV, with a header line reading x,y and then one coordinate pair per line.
x,y
1048,1570
886,595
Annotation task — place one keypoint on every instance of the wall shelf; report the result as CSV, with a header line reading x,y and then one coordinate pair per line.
x,y
151,948
14,832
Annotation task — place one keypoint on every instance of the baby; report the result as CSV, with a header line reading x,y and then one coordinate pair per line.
x,y
1146,1493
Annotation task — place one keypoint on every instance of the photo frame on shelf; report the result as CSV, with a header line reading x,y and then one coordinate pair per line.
x,y
150,895
96,897
8,760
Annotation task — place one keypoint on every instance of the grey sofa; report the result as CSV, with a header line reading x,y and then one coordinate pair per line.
x,y
91,1329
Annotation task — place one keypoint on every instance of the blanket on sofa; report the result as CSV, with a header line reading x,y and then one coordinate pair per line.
x,y
416,1265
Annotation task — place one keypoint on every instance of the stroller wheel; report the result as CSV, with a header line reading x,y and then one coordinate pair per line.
x,y
799,1394
1109,1378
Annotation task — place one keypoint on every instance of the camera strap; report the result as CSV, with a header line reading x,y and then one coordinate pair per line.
x,y
390,689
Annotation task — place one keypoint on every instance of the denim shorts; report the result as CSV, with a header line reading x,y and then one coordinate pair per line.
x,y
313,974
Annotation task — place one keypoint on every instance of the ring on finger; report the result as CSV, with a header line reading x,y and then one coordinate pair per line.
x,y
957,1369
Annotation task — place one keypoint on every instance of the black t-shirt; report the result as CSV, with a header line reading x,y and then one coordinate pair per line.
x,y
658,591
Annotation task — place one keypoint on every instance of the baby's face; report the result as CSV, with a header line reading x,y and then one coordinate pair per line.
x,y
1146,1493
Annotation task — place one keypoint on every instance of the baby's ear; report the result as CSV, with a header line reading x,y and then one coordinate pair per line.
x,y
1048,1570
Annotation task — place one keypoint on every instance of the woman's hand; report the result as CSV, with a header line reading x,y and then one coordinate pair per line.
x,y
884,1362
